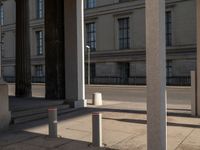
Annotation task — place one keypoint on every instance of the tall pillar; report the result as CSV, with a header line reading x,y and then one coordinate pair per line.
x,y
23,64
156,75
198,56
1,43
54,45
74,53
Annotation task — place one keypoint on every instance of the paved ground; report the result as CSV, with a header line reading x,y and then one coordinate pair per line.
x,y
124,124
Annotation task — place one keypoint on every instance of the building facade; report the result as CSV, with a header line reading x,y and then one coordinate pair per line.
x,y
115,39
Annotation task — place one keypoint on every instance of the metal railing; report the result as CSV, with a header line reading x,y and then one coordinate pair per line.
x,y
115,80
35,79
139,80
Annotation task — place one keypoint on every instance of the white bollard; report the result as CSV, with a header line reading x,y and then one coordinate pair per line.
x,y
97,99
193,93
52,113
97,129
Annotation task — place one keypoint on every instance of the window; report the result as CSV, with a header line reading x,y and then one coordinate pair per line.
x,y
92,70
39,9
1,15
40,42
121,1
91,35
39,71
124,33
168,28
90,3
169,68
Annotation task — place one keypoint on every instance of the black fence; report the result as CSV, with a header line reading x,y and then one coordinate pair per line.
x,y
139,80
35,79
111,80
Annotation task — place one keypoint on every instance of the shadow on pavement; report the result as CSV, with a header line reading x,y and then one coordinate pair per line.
x,y
140,121
89,111
21,140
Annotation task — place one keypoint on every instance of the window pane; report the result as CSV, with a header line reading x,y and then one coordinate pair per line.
x,y
168,28
90,3
124,33
91,35
1,15
40,42
40,9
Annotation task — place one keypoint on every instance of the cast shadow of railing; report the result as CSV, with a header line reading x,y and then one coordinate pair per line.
x,y
142,121
18,140
89,111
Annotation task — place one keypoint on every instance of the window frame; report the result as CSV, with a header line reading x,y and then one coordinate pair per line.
x,y
1,15
89,4
91,35
39,9
39,42
124,30
39,70
169,28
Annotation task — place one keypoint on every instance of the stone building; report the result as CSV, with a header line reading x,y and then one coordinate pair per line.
x,y
115,33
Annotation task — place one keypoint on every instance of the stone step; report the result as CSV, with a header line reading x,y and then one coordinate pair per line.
x,y
40,113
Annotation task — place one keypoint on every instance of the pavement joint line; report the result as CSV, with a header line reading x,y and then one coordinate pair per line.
x,y
70,141
27,144
131,137
122,140
184,139
117,131
21,141
59,145
78,130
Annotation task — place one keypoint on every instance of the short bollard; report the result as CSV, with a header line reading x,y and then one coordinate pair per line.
x,y
193,93
97,129
97,99
52,113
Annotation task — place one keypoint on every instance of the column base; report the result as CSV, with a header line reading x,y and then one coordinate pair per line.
x,y
5,121
77,103
5,115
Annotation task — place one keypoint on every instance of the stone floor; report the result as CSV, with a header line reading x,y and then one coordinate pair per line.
x,y
124,128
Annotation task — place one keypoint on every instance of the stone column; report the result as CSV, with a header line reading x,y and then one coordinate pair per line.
x,y
23,63
156,75
198,56
5,115
74,53
54,45
1,44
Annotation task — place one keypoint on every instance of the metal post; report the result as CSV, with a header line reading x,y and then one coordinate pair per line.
x,y
1,40
52,112
97,129
198,55
88,49
193,93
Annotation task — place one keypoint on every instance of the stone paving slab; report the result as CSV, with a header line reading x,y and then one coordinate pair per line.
x,y
121,130
124,128
15,137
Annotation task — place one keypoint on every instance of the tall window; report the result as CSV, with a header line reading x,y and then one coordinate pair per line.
x,y
40,9
91,35
40,42
39,71
168,28
169,68
90,3
1,15
124,33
